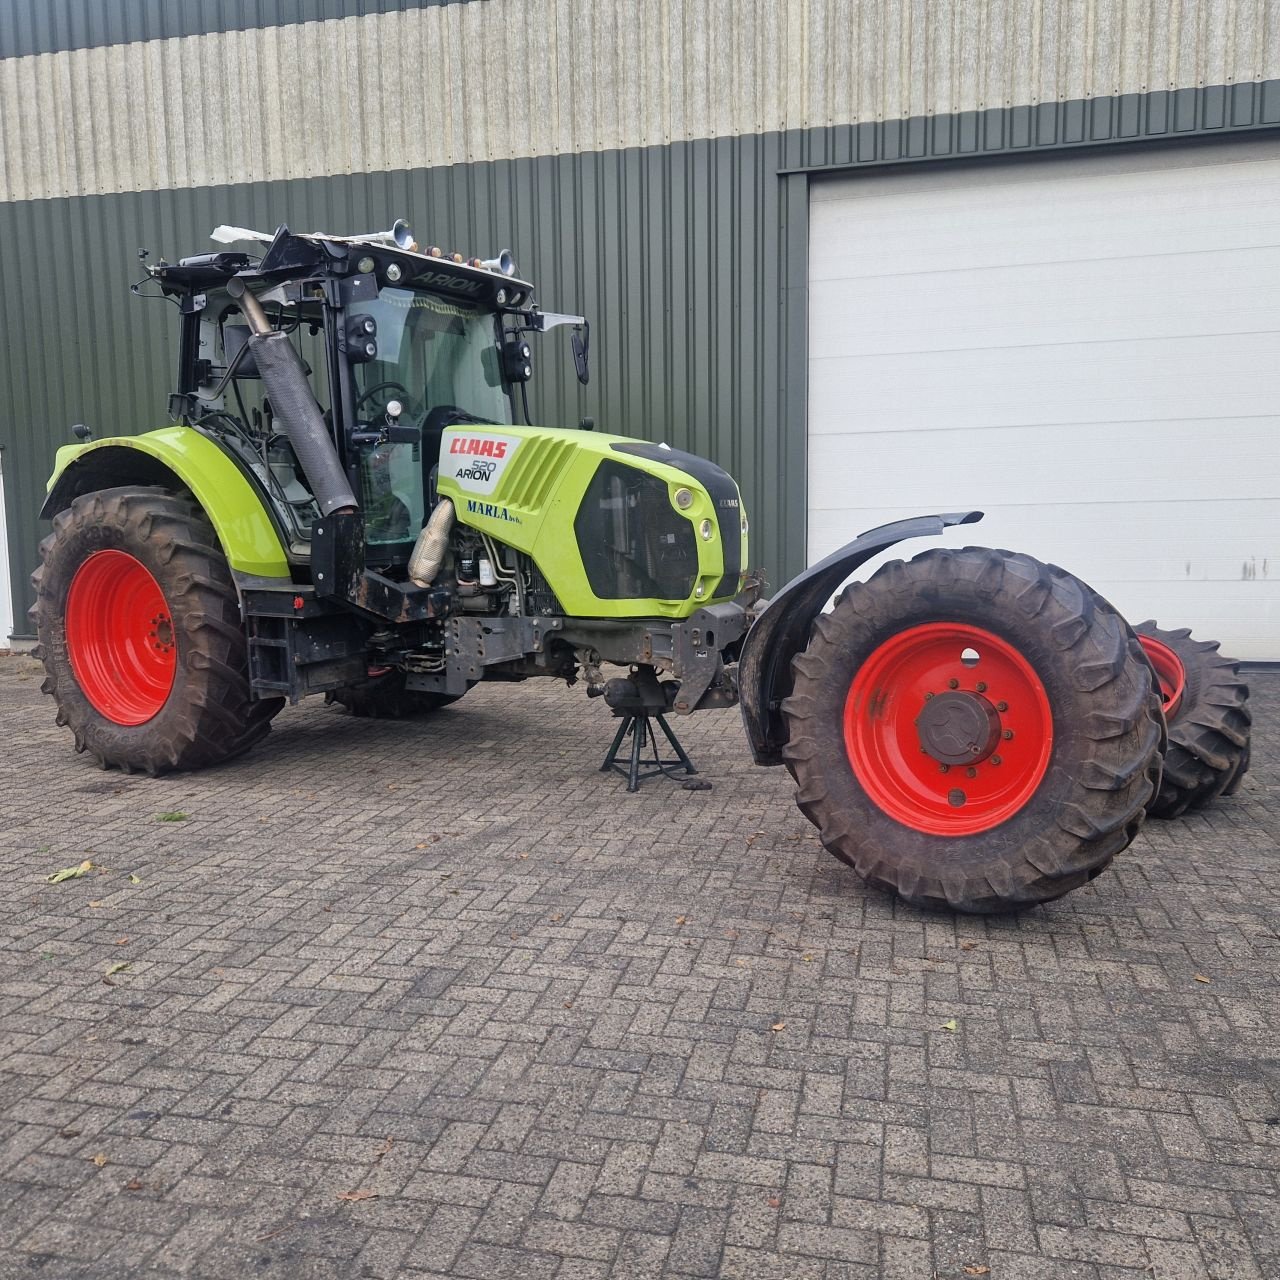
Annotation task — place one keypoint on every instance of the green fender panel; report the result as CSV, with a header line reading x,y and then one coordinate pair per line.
x,y
251,543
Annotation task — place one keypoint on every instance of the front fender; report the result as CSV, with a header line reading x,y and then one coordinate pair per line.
x,y
182,454
782,630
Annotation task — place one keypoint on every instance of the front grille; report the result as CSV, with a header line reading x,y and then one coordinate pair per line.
x,y
634,545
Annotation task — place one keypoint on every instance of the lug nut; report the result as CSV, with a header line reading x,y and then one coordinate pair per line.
x,y
1002,706
953,683
996,760
927,696
944,768
1008,735
981,686
971,772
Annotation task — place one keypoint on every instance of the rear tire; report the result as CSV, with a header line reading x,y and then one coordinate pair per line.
x,y
1063,763
384,697
1209,723
141,636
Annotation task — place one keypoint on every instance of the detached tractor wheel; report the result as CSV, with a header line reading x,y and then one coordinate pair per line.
x,y
140,633
974,729
1206,705
384,697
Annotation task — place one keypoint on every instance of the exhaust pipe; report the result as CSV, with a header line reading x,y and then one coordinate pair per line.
x,y
286,382
428,551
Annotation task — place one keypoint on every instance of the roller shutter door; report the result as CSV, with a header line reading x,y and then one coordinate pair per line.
x,y
1087,348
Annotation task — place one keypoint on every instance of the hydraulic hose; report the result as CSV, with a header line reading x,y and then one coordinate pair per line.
x,y
285,379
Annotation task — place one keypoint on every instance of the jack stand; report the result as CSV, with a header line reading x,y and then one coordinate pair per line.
x,y
639,724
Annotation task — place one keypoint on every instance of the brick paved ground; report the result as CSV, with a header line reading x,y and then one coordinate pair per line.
x,y
560,1032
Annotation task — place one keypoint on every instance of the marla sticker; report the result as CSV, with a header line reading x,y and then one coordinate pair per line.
x,y
476,459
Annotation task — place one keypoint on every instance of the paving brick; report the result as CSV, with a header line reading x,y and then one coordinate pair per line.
x,y
1091,1245
698,1241
348,972
812,1240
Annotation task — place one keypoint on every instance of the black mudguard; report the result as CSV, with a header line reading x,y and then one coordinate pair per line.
x,y
782,630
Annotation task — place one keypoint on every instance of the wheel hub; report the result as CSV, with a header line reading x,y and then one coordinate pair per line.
x,y
1170,673
948,728
120,637
958,728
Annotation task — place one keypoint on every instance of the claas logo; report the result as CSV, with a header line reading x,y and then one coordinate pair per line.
x,y
481,445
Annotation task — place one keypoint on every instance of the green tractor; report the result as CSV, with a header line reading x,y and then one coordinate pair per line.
x,y
352,501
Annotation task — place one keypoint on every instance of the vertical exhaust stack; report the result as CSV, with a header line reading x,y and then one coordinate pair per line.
x,y
286,382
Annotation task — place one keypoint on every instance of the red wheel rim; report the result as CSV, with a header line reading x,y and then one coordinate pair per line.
x,y
1170,672
120,637
948,729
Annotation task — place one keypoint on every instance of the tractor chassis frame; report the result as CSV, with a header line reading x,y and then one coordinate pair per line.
x,y
303,643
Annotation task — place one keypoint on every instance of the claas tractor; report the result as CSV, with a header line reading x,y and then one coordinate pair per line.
x,y
351,500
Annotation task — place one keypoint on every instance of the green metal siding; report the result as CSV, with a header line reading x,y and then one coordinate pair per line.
x,y
690,260
679,255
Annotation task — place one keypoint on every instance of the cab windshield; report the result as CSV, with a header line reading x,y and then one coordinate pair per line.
x,y
433,355
439,359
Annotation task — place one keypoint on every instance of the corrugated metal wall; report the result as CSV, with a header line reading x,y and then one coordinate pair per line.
x,y
423,87
575,118
677,254
45,26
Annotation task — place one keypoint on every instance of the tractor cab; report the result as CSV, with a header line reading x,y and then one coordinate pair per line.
x,y
396,345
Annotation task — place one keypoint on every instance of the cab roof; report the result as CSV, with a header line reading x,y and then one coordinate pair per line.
x,y
297,256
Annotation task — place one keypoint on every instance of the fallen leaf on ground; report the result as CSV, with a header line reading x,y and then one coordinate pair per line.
x,y
774,1201
1201,978
118,967
121,941
95,903
69,1133
682,919
175,816
70,873
978,1270
362,1194
133,879
967,946
100,1159
133,1185
778,1026
383,1150
949,1025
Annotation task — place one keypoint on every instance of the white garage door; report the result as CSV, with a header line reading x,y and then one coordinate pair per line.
x,y
1085,348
